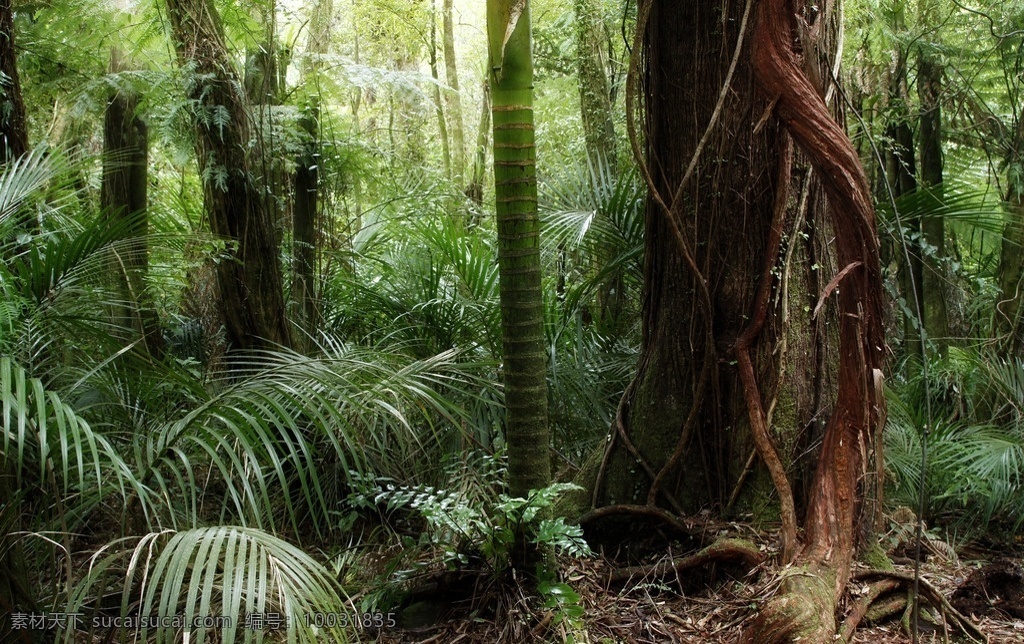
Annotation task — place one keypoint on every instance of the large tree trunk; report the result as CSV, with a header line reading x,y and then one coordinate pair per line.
x,y
519,267
252,298
735,351
806,604
683,433
123,193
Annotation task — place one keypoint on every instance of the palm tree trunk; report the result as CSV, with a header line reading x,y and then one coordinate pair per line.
x,y
519,269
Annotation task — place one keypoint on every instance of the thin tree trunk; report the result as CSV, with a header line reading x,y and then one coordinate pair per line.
x,y
933,229
305,211
595,100
1009,313
519,267
475,189
252,299
453,97
123,193
442,124
13,125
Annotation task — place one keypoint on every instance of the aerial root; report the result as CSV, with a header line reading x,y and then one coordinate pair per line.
x,y
878,602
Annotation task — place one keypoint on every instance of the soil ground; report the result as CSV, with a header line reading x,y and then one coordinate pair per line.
x,y
708,606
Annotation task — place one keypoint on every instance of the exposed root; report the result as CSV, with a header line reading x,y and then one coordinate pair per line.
x,y
646,511
865,604
734,551
802,611
932,595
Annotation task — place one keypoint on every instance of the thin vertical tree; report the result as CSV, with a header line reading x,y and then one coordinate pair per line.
x,y
595,99
453,98
124,194
519,267
13,125
252,297
306,198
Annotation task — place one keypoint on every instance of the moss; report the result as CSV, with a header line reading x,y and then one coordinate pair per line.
x,y
874,557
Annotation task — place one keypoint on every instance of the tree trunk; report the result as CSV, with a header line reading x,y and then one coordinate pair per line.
x,y
442,124
595,100
735,346
682,437
306,201
453,97
123,193
13,125
830,528
252,299
519,267
933,229
1009,313
475,189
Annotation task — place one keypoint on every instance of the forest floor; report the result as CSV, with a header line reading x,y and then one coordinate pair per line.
x,y
689,609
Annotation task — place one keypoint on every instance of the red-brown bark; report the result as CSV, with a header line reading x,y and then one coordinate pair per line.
x,y
829,528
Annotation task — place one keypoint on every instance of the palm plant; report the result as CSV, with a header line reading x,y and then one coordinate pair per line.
x,y
975,439
101,440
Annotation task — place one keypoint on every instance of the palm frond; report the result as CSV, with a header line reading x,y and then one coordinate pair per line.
x,y
44,436
228,571
269,436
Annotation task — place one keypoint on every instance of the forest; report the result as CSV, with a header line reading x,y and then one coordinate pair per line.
x,y
512,321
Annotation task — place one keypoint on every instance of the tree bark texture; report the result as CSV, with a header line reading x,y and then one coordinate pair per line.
x,y
235,191
682,437
519,266
830,525
13,124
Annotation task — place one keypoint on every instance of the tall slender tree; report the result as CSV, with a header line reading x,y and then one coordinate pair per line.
x,y
519,267
453,98
124,193
252,297
933,228
306,199
13,125
595,100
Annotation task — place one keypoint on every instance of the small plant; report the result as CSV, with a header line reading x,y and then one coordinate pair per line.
x,y
465,529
